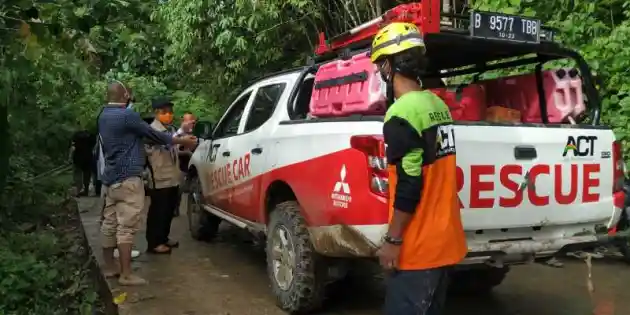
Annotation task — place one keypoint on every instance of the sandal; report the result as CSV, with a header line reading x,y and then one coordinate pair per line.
x,y
160,249
111,274
131,280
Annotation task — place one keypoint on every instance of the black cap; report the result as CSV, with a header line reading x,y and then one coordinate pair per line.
x,y
161,102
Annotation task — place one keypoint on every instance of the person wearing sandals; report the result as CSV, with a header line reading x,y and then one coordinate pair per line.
x,y
121,137
164,180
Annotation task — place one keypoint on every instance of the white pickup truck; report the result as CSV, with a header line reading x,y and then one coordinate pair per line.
x,y
315,187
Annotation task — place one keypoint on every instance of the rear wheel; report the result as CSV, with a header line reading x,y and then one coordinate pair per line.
x,y
203,225
294,269
478,280
623,244
624,249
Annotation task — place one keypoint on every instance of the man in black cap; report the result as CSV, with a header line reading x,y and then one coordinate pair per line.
x,y
163,183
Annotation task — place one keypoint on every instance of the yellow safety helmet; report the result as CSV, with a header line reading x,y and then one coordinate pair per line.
x,y
394,38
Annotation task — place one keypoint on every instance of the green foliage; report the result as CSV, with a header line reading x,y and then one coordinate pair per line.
x,y
57,57
34,272
43,265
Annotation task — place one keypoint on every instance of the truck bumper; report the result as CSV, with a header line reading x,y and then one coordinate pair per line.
x,y
522,245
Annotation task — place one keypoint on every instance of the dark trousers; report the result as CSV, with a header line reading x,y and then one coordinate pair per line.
x,y
163,204
97,183
416,292
82,175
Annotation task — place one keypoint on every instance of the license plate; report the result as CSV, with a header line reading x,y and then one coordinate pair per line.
x,y
547,35
499,26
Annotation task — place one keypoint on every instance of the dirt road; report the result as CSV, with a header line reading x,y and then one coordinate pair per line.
x,y
228,278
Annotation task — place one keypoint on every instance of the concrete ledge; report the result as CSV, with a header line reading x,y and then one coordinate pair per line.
x,y
103,288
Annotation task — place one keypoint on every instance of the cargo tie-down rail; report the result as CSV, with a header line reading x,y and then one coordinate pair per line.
x,y
427,15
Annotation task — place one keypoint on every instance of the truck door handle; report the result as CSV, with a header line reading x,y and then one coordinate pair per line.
x,y
256,150
226,153
525,152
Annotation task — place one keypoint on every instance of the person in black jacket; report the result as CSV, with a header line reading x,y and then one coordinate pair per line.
x,y
82,159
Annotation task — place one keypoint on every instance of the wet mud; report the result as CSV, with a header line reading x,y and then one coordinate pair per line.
x,y
228,277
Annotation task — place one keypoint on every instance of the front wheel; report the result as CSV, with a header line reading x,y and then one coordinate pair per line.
x,y
294,269
203,225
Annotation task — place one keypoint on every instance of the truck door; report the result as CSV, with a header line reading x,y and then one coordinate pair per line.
x,y
252,151
218,160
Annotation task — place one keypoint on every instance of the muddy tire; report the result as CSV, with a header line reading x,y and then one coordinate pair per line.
x,y
477,281
294,269
624,249
624,224
203,226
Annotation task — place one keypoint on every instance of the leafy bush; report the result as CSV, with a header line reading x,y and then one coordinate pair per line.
x,y
44,267
35,269
57,58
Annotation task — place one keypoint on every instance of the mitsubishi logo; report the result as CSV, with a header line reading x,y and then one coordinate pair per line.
x,y
341,186
341,192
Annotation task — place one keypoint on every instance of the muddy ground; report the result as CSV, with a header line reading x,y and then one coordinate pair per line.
x,y
228,277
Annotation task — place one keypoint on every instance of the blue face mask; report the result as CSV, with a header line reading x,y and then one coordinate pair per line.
x,y
130,106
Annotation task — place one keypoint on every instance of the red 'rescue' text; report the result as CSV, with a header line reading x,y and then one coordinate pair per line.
x,y
234,170
481,183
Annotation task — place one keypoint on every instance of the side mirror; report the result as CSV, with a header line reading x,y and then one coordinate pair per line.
x,y
203,130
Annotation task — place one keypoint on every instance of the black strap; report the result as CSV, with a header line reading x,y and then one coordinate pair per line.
x,y
342,80
98,138
147,164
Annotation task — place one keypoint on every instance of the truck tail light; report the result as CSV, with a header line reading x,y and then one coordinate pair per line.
x,y
618,167
373,146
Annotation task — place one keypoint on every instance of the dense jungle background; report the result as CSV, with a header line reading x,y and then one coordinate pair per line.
x,y
57,56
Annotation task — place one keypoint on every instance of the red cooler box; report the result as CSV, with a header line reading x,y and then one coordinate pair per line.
x,y
563,95
347,87
466,104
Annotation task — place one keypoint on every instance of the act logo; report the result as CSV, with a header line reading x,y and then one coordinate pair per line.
x,y
341,192
580,146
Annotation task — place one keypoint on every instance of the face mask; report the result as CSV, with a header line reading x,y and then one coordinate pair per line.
x,y
130,105
387,88
383,85
165,118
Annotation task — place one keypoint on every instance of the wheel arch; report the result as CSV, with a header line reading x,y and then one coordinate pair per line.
x,y
190,176
277,192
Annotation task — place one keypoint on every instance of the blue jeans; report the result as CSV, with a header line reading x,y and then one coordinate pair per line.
x,y
416,292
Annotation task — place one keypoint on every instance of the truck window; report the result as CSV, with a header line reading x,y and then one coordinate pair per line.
x,y
229,125
264,104
303,99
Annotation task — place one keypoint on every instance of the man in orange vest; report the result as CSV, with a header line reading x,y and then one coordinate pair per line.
x,y
425,235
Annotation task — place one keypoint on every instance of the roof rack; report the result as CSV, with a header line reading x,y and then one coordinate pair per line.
x,y
427,15
416,13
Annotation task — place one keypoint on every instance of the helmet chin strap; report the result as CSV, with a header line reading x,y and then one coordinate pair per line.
x,y
389,89
390,93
